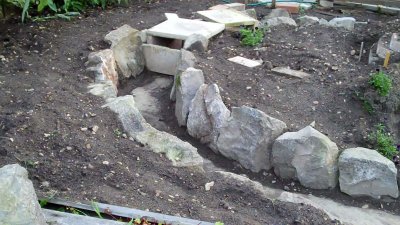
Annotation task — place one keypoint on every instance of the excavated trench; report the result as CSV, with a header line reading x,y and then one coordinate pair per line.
x,y
152,95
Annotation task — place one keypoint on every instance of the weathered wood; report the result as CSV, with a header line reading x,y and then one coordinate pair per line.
x,y
388,3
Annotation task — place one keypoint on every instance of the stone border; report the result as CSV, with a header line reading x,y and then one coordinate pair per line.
x,y
249,136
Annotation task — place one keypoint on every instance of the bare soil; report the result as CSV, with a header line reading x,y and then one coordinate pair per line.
x,y
46,115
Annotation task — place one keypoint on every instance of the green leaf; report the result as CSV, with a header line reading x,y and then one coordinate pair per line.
x,y
25,9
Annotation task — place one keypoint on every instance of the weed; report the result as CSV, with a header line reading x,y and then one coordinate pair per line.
x,y
43,202
178,80
251,37
118,133
382,83
96,209
219,223
76,211
383,142
366,104
59,8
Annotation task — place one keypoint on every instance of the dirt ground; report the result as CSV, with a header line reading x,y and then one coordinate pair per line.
x,y
46,115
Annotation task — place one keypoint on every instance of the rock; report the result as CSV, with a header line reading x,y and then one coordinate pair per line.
x,y
345,22
247,137
353,52
182,154
326,4
187,84
289,72
208,185
323,22
277,13
308,156
127,47
251,12
276,21
308,20
395,42
196,42
105,89
365,172
18,204
161,59
198,122
207,114
187,59
102,65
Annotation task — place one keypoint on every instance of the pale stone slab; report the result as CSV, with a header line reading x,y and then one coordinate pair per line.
x,y
245,62
395,42
236,6
161,59
289,72
228,17
178,28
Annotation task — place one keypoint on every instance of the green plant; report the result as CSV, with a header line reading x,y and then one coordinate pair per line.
x,y
178,80
58,8
382,83
96,209
366,104
251,37
383,142
118,133
219,223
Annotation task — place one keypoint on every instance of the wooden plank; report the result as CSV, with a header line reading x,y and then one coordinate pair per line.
x,y
388,3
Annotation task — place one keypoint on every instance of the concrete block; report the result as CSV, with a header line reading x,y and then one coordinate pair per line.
x,y
178,28
245,62
395,42
230,18
161,59
234,6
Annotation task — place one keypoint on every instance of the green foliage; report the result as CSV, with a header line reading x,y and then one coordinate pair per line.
x,y
383,142
178,80
58,8
251,37
366,104
96,209
382,83
219,223
43,202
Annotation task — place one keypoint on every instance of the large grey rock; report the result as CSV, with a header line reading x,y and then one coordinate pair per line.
x,y
105,89
127,47
308,156
366,172
187,59
276,21
198,123
247,137
187,84
18,202
102,65
196,42
344,22
278,13
207,114
217,111
162,59
182,154
307,20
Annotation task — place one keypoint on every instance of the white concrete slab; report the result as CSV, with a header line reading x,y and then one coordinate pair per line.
x,y
228,17
236,6
289,72
245,62
161,59
179,28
